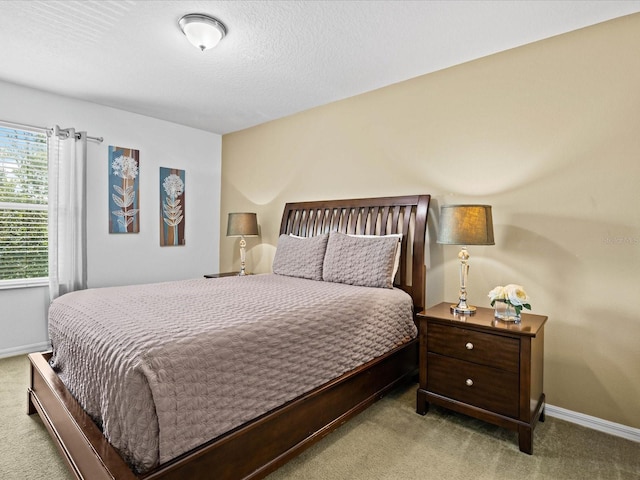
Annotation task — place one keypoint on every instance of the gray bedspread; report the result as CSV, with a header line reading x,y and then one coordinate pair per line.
x,y
162,368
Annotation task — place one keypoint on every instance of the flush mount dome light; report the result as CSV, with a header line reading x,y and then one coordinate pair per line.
x,y
202,31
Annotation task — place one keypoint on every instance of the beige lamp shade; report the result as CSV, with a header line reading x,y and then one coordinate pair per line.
x,y
242,224
466,225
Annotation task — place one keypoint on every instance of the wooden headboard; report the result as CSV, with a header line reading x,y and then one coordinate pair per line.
x,y
371,216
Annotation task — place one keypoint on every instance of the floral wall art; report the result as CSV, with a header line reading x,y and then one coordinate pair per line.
x,y
124,213
171,207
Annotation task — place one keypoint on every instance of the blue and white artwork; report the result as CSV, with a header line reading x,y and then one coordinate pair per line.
x,y
172,196
124,169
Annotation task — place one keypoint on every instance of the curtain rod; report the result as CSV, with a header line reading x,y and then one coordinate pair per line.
x,y
49,131
64,132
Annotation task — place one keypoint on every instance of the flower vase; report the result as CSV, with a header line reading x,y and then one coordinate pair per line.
x,y
506,312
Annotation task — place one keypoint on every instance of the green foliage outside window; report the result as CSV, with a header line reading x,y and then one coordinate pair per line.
x,y
23,204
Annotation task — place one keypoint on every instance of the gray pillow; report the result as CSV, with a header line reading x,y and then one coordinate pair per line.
x,y
364,261
300,257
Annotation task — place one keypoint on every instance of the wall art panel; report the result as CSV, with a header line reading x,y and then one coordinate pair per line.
x,y
172,207
124,185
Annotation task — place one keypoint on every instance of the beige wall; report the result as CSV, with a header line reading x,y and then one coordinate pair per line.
x,y
549,134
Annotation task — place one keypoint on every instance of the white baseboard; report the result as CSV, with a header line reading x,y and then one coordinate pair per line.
x,y
23,349
594,423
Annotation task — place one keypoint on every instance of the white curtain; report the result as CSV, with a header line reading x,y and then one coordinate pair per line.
x,y
67,211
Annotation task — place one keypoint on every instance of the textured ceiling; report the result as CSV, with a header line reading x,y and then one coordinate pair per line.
x,y
278,58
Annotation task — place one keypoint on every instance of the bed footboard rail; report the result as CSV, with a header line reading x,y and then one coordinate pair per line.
x,y
250,452
258,448
85,450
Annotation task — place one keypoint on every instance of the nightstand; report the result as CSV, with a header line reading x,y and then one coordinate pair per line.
x,y
219,275
483,367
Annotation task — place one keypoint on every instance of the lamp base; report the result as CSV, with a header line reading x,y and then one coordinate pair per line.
x,y
463,309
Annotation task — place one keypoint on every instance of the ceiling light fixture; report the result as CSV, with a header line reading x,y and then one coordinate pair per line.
x,y
202,31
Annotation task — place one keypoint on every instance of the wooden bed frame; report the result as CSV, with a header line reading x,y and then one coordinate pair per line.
x,y
260,446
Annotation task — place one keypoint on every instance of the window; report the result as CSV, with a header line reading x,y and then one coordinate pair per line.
x,y
23,206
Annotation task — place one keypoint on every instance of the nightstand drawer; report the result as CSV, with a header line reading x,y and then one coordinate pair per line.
x,y
479,385
483,348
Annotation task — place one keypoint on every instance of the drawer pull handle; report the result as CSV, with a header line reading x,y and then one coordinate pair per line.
x,y
469,346
469,382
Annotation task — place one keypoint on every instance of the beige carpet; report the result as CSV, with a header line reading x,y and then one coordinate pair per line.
x,y
388,441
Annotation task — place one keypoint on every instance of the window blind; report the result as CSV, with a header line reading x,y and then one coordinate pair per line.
x,y
23,206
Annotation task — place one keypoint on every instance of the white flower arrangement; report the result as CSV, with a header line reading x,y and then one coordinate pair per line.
x,y
512,295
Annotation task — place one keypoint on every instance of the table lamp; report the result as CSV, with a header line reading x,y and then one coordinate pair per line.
x,y
465,225
242,225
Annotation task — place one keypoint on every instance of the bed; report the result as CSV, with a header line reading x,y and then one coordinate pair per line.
x,y
257,446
